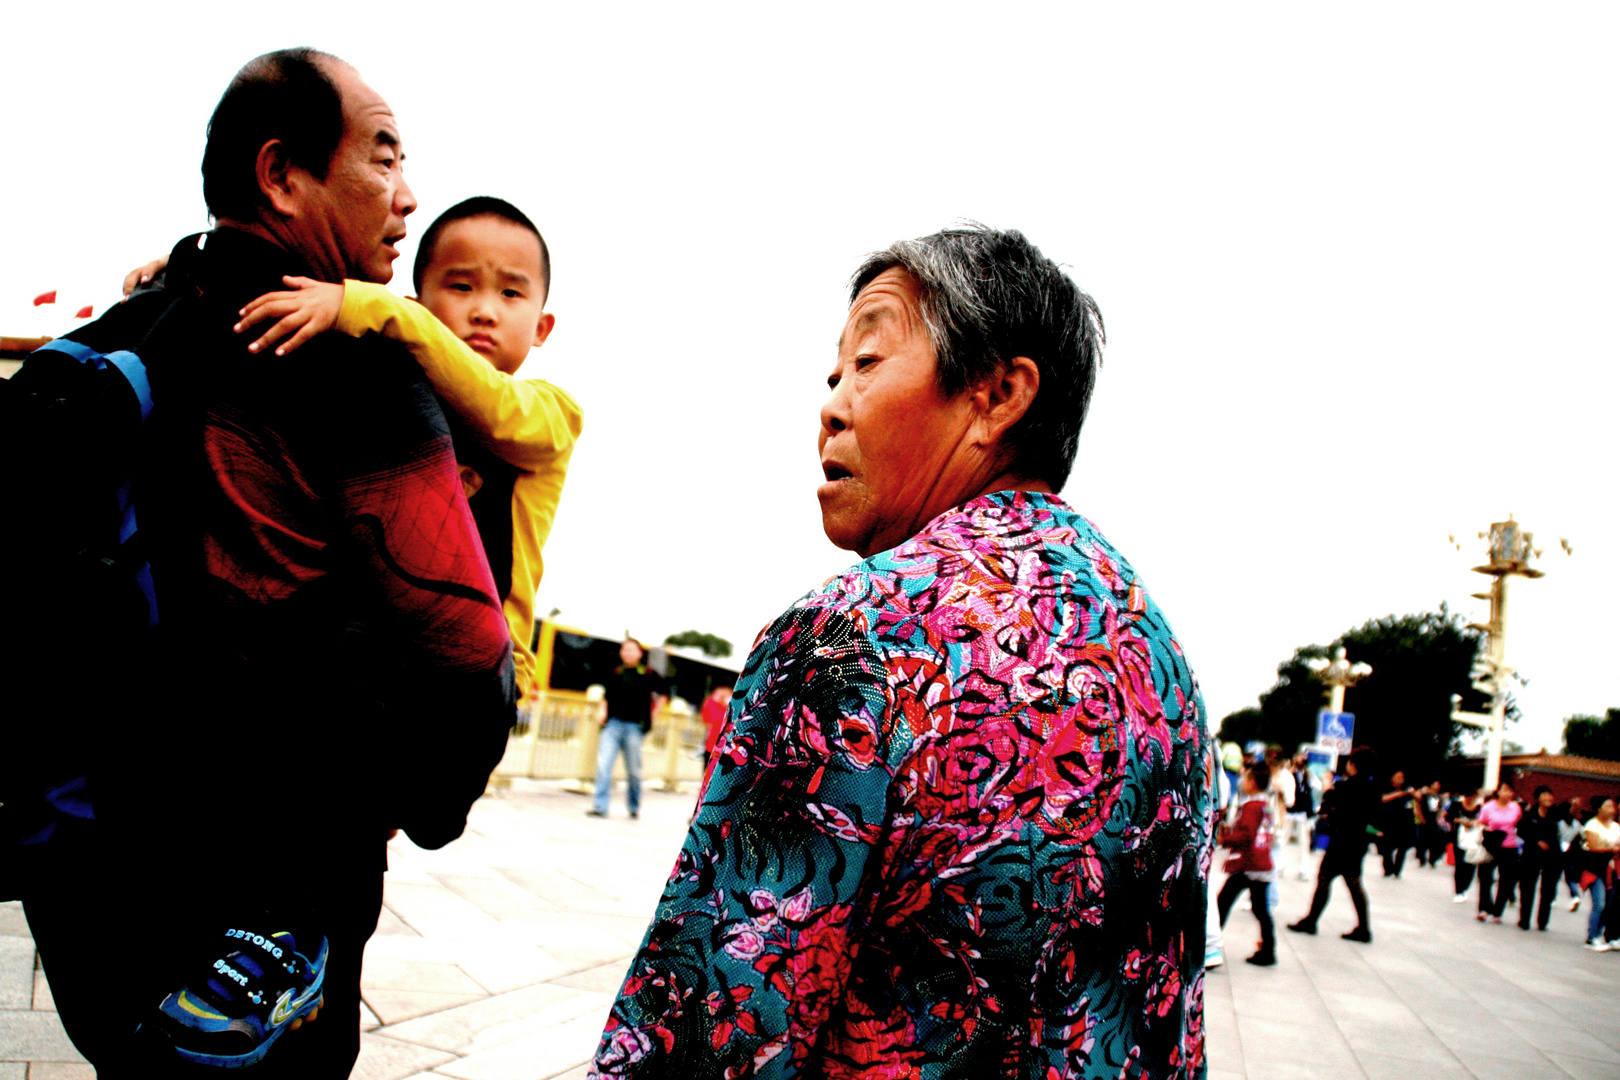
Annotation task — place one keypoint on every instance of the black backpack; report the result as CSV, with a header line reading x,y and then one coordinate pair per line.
x,y
76,584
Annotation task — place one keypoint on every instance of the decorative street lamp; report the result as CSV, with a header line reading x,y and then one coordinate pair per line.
x,y
1510,553
1337,674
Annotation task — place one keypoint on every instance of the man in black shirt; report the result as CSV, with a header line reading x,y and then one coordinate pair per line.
x,y
1348,808
1540,858
633,695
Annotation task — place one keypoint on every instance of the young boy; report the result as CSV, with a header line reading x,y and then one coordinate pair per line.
x,y
482,276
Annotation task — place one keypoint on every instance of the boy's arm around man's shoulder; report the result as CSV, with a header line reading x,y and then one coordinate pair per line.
x,y
527,423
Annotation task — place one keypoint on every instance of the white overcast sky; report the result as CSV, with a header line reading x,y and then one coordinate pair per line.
x,y
1357,264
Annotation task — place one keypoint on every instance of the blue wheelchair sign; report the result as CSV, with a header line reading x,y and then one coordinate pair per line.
x,y
1336,729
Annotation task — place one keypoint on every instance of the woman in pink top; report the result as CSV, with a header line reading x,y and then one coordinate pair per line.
x,y
1500,817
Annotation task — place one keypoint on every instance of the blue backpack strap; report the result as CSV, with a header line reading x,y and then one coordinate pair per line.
x,y
134,372
130,366
133,369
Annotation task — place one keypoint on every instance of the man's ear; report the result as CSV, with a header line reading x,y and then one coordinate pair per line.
x,y
542,329
1004,398
273,171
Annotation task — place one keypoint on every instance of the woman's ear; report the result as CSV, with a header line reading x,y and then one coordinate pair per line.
x,y
1005,397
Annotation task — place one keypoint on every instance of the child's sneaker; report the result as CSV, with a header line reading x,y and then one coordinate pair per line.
x,y
231,1013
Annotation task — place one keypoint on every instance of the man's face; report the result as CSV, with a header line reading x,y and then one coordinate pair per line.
x,y
353,220
630,653
889,439
484,284
1545,799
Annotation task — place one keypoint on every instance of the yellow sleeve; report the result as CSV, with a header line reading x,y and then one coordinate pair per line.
x,y
529,424
526,423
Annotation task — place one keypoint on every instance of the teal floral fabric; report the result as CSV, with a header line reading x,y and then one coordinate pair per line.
x,y
958,825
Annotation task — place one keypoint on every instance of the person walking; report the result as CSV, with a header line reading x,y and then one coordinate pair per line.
x,y
1601,839
1432,829
1302,815
1569,842
1542,860
1463,815
633,695
1347,808
1396,823
1250,865
1500,817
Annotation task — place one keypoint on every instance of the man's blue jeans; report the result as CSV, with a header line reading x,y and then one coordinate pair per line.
x,y
618,735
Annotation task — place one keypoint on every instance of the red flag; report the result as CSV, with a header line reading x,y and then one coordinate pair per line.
x,y
45,298
84,312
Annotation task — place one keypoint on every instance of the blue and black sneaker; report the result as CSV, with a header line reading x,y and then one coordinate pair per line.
x,y
230,1014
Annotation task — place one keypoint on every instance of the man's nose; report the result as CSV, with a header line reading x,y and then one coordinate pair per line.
x,y
404,198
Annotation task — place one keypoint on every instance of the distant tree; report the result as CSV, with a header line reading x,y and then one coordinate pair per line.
x,y
712,646
1403,710
1243,726
1593,736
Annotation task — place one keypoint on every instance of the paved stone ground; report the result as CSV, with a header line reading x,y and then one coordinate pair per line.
x,y
496,959
1436,996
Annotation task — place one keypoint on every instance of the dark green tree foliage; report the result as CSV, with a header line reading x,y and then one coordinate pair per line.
x,y
1244,726
1593,736
711,645
1403,710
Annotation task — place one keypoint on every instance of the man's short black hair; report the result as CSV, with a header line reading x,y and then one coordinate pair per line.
x,y
1260,772
477,206
989,296
284,95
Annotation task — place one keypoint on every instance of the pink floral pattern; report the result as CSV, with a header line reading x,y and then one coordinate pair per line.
x,y
958,825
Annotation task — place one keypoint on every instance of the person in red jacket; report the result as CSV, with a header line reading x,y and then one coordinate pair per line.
x,y
1249,866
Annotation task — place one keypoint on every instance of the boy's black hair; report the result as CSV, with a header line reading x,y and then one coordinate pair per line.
x,y
477,206
1261,772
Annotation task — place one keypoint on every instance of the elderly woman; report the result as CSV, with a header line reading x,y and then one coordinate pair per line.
x,y
958,823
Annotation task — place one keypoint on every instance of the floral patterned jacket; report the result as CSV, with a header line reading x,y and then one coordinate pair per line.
x,y
959,825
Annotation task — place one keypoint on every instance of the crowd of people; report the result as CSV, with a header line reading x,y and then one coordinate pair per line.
x,y
1506,850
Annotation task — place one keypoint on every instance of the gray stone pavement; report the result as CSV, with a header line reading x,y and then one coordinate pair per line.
x,y
496,959
1436,995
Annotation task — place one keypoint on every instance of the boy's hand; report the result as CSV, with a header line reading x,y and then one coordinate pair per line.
x,y
310,308
142,274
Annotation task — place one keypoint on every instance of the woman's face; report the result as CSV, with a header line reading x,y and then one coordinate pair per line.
x,y
630,654
1504,794
1397,779
1605,810
895,452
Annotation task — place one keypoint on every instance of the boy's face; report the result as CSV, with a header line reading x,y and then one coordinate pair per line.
x,y
484,284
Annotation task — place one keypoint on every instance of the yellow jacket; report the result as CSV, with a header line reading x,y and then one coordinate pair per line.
x,y
529,424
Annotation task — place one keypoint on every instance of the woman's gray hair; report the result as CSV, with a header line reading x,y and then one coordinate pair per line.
x,y
988,296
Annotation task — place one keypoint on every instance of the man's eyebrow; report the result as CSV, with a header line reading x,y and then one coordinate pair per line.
x,y
387,138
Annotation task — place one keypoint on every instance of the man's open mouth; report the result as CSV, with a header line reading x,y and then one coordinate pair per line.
x,y
835,472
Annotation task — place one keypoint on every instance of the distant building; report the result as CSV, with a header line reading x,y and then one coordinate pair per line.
x,y
1566,775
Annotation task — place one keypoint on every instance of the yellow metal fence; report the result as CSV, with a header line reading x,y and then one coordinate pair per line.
x,y
556,739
